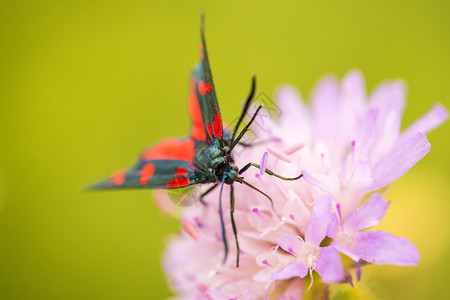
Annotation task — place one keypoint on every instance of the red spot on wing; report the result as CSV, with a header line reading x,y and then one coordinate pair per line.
x,y
179,181
147,172
118,177
217,123
181,170
198,130
203,88
171,148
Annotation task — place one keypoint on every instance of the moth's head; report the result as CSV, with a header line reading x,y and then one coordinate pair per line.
x,y
232,174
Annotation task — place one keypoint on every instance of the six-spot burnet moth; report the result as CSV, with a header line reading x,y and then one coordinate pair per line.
x,y
203,157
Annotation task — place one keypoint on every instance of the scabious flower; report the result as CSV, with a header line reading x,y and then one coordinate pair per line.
x,y
348,146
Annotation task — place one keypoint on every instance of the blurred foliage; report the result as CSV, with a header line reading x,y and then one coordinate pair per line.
x,y
86,85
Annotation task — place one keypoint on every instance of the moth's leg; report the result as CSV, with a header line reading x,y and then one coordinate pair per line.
x,y
241,180
206,193
222,223
245,168
234,224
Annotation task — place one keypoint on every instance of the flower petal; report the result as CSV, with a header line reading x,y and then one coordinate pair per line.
x,y
320,219
217,295
388,132
432,119
294,111
389,96
297,210
292,269
290,243
400,160
354,87
368,215
324,105
366,134
361,177
379,247
327,183
294,291
329,265
333,227
344,250
263,275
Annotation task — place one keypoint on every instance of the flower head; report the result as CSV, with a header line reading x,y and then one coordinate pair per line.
x,y
346,146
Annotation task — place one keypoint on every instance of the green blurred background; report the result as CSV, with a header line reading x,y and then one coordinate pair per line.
x,y
86,85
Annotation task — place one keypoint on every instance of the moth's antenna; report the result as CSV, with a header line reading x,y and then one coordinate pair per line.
x,y
241,180
243,131
224,238
246,106
202,20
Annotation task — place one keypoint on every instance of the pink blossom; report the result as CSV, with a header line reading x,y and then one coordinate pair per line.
x,y
376,247
309,255
347,145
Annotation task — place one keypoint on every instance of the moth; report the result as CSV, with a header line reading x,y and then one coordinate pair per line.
x,y
205,156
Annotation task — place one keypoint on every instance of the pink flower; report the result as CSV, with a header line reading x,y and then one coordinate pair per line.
x,y
376,247
347,146
309,255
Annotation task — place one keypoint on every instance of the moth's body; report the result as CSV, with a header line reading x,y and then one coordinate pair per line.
x,y
214,162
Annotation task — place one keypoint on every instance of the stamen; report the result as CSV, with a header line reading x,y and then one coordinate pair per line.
x,y
213,273
202,288
341,222
353,150
189,277
278,154
301,239
275,248
312,260
312,278
263,164
292,149
256,211
198,222
265,262
190,229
